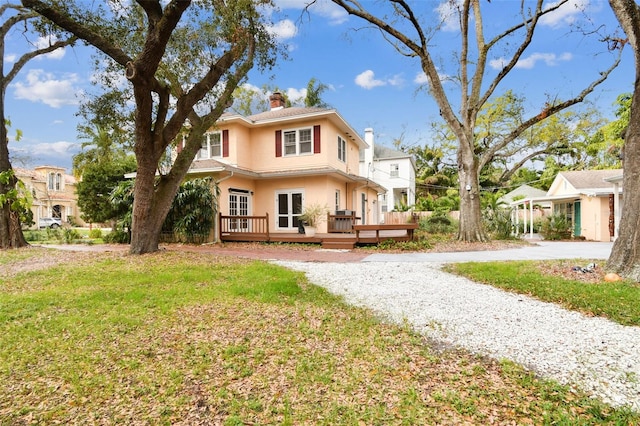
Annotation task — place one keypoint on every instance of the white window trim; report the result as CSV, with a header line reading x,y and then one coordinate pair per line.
x,y
297,135
394,170
342,146
208,155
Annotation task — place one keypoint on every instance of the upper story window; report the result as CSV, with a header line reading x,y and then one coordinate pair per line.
x,y
342,150
211,146
394,170
55,182
297,142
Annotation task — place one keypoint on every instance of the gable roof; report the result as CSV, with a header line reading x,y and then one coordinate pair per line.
x,y
211,165
39,174
590,178
293,114
523,191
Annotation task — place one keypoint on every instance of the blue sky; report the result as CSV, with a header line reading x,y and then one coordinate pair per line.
x,y
370,84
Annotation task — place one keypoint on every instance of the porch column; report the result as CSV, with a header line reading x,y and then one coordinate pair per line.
x,y
531,218
616,209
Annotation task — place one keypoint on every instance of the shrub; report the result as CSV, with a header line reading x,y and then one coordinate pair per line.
x,y
95,233
117,236
556,227
70,235
439,224
498,223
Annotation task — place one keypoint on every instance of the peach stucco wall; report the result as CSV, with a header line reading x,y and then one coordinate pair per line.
x,y
254,148
316,189
594,218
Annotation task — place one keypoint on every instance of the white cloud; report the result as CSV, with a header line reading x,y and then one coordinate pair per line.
x,y
550,59
396,80
54,149
449,15
566,14
284,29
11,58
41,86
44,42
327,9
295,95
368,81
421,78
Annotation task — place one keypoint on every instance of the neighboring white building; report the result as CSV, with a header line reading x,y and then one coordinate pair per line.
x,y
391,169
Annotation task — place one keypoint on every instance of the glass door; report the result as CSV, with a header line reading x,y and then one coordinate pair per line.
x,y
288,209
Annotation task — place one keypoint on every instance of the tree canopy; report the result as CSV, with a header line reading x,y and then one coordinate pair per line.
x,y
409,27
181,61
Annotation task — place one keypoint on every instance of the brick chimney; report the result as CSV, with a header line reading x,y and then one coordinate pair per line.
x,y
277,101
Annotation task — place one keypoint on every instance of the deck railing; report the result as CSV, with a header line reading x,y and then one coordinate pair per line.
x,y
232,227
341,223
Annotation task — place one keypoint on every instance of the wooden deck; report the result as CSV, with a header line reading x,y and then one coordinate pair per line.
x,y
256,228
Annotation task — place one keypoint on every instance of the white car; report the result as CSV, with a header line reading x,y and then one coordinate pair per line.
x,y
50,222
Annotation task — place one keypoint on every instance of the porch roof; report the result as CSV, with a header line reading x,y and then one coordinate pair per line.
x,y
592,192
213,166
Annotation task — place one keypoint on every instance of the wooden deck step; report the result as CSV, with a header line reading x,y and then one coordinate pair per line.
x,y
337,244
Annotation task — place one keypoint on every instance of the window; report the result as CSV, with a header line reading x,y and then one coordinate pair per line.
x,y
337,200
215,143
342,150
54,182
297,142
211,146
394,170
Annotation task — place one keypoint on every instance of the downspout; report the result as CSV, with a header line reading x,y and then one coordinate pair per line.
x,y
216,228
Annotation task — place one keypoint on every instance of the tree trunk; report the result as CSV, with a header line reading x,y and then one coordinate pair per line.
x,y
470,226
152,202
11,235
625,255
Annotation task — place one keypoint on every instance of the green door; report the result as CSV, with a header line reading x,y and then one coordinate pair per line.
x,y
576,219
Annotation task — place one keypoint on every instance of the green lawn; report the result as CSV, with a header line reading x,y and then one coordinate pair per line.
x,y
198,339
618,301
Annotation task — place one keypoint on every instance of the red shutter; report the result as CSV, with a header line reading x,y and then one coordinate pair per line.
x,y
225,143
278,143
316,139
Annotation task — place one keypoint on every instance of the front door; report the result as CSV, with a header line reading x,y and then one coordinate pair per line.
x,y
288,209
577,225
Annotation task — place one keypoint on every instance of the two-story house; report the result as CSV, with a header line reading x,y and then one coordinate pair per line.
x,y
53,192
279,161
391,169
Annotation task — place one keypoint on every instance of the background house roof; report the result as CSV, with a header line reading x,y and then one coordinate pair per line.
x,y
586,179
381,152
523,191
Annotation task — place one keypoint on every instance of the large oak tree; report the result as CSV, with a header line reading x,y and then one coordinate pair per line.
x,y
409,27
182,59
625,255
15,17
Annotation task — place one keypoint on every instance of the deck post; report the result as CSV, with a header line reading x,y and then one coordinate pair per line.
x,y
268,234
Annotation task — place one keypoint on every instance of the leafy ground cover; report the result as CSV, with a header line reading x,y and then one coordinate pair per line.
x,y
557,282
194,338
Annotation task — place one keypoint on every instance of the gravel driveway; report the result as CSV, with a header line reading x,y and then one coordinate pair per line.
x,y
593,354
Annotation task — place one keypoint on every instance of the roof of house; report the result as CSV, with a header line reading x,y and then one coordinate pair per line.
x,y
210,165
283,115
40,174
586,179
523,191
